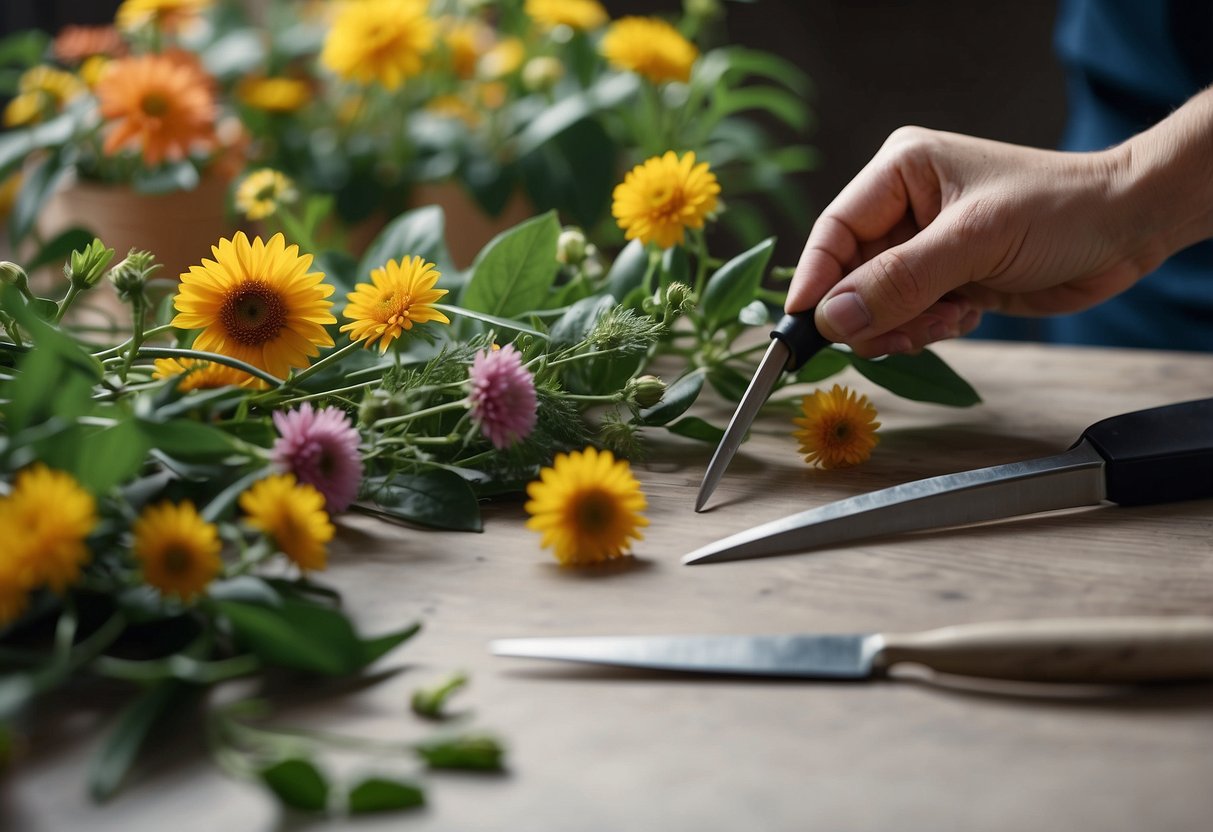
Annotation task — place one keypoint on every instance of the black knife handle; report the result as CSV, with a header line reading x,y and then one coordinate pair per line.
x,y
1160,455
799,334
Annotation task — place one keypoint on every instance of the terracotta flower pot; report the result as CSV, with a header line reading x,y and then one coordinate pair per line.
x,y
468,228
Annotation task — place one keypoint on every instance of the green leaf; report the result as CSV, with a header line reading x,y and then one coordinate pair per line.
x,y
298,784
417,233
924,377
297,635
375,648
575,324
168,178
606,94
675,266
734,285
110,456
824,364
728,382
377,794
627,272
120,749
756,62
439,499
693,427
573,173
60,247
507,324
24,48
38,183
515,271
189,441
754,313
678,397
16,145
785,106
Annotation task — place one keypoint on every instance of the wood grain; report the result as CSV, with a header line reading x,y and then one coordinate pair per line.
x,y
606,750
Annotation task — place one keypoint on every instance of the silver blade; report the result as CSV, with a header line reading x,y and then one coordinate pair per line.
x,y
827,656
756,395
1074,478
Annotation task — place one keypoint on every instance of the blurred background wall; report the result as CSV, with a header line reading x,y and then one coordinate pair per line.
x,y
985,68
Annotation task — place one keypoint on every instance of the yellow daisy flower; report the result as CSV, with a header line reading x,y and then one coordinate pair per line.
x,y
837,429
177,550
42,90
587,507
26,108
257,302
92,69
661,198
503,59
262,191
195,374
292,514
649,47
47,517
576,14
383,41
167,15
398,296
274,95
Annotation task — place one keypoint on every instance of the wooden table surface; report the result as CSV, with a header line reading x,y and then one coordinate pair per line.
x,y
609,750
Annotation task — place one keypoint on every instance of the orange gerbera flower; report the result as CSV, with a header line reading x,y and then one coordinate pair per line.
x,y
158,105
75,43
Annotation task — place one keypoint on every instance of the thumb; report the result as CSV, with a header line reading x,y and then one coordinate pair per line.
x,y
897,285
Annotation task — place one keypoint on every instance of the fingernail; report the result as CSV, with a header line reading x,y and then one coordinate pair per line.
x,y
846,314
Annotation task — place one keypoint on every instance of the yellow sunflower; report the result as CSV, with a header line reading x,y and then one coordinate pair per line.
x,y
837,429
398,296
257,302
158,105
167,15
274,95
292,514
177,550
46,519
576,14
262,191
650,47
384,41
195,374
661,198
586,506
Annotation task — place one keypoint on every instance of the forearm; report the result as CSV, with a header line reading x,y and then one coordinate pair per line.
x,y
1167,184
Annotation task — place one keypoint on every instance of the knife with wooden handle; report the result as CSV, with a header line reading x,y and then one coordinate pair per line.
x,y
1102,650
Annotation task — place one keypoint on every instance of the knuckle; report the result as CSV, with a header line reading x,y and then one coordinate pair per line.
x,y
897,284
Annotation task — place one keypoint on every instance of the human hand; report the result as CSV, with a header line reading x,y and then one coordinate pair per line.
x,y
940,227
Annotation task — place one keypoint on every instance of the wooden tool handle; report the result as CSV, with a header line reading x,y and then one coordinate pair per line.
x,y
1064,650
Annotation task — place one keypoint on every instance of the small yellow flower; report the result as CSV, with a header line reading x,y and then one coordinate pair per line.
x,y
292,514
195,374
46,519
274,95
587,507
177,550
650,47
262,191
166,15
398,296
257,302
41,91
661,198
92,68
24,109
837,429
503,59
581,15
379,41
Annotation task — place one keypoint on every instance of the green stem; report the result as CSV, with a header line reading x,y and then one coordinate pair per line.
x,y
137,313
391,421
331,358
590,399
217,358
701,257
68,300
179,666
147,336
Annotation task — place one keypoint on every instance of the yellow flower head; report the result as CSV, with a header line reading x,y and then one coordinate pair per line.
x,y
837,428
166,15
292,514
649,47
93,68
160,105
587,507
383,41
195,374
503,59
274,95
26,108
452,106
257,302
41,91
177,550
661,198
398,296
581,15
262,191
46,519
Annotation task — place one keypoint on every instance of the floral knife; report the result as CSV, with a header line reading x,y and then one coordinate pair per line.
x,y
794,341
1160,455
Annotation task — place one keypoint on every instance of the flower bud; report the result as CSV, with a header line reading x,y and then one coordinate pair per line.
x,y
679,297
541,74
13,275
645,391
85,266
130,275
571,246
